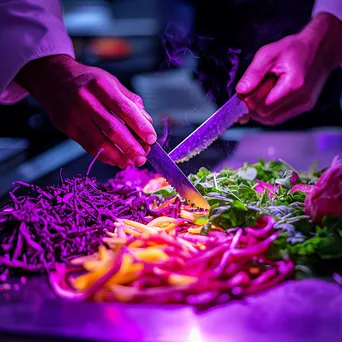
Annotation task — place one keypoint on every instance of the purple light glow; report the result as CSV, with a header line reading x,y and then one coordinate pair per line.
x,y
163,140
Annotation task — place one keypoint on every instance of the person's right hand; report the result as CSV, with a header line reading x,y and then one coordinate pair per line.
x,y
82,101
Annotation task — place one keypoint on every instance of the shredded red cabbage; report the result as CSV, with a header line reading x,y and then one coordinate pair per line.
x,y
70,219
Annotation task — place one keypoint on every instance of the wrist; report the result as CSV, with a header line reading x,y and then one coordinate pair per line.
x,y
42,71
324,33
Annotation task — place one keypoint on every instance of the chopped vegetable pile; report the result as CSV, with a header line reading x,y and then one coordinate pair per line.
x,y
134,240
61,222
167,261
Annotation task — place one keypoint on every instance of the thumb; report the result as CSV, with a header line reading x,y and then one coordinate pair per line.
x,y
255,73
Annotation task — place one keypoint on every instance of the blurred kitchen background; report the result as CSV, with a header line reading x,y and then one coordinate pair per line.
x,y
124,37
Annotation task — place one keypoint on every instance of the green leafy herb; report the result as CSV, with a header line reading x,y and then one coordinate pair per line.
x,y
235,203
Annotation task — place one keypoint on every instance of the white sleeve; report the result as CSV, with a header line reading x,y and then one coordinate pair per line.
x,y
29,29
333,7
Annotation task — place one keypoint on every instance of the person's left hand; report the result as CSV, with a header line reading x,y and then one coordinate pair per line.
x,y
302,64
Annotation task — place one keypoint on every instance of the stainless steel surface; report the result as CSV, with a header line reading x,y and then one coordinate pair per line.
x,y
174,176
210,130
296,311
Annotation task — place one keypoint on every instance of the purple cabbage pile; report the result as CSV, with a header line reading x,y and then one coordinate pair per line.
x,y
61,222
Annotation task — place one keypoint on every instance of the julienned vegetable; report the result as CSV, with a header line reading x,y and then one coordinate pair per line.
x,y
167,261
243,245
61,222
133,240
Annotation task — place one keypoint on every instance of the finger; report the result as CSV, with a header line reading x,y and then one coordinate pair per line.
x,y
113,128
135,99
255,73
288,85
126,110
277,109
282,114
96,140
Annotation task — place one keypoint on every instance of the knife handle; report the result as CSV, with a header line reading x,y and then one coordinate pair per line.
x,y
257,97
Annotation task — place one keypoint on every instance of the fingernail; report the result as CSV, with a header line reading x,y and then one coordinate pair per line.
x,y
139,161
151,139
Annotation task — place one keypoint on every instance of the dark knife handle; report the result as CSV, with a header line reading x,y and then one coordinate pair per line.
x,y
257,97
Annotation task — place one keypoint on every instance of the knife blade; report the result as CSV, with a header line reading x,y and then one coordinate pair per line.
x,y
209,131
164,165
218,123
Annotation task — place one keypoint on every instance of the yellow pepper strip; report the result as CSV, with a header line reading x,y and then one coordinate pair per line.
x,y
159,221
128,272
193,230
170,227
82,259
217,228
186,215
131,231
123,293
93,265
177,279
201,246
83,282
254,270
142,227
197,230
150,254
135,244
104,256
127,277
155,184
115,241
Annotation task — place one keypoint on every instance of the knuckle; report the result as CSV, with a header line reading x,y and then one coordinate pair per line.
x,y
262,53
96,82
137,99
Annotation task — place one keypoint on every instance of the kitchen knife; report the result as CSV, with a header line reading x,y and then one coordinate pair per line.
x,y
219,122
164,165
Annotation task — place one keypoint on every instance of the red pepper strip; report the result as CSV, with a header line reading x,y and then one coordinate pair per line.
x,y
257,249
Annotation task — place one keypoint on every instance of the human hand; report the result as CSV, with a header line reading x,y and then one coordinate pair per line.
x,y
81,101
302,63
